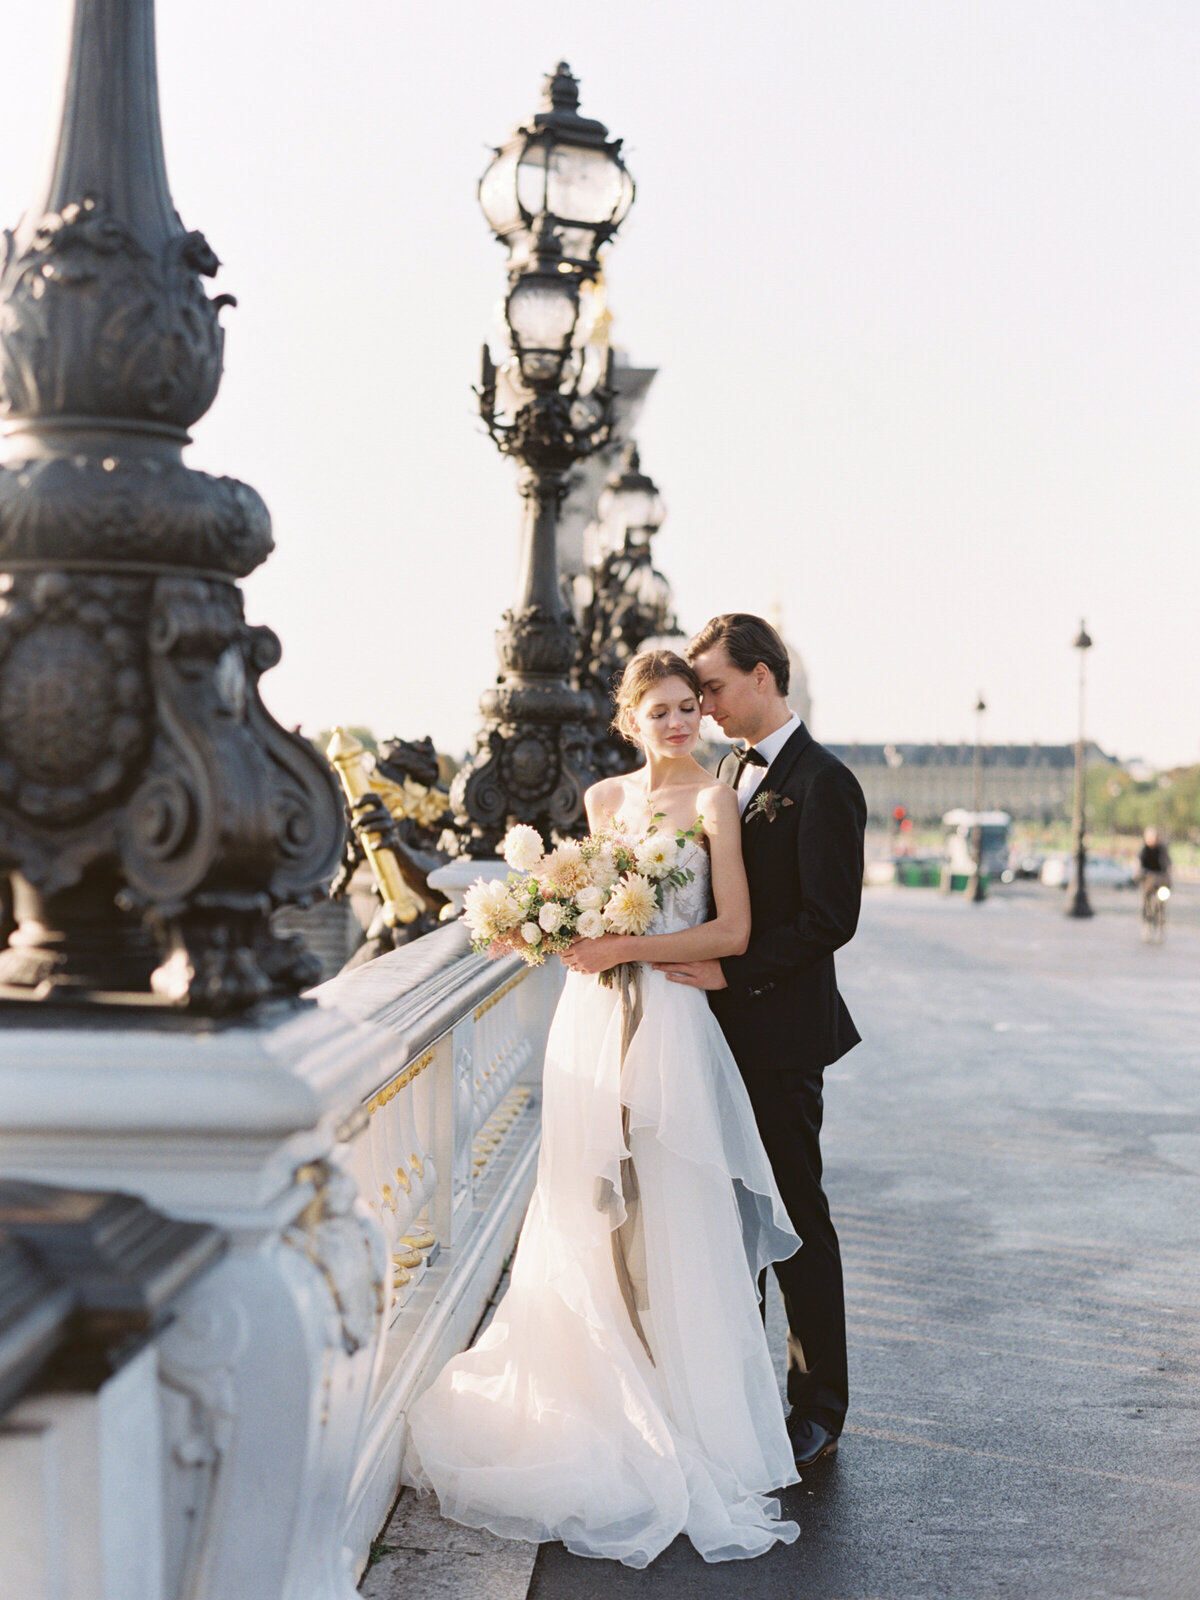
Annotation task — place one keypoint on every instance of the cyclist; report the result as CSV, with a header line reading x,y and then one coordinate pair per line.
x,y
1154,871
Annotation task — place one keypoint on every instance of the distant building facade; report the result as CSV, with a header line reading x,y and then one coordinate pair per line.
x,y
1032,782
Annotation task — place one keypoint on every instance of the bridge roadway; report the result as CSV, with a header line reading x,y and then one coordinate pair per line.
x,y
1014,1165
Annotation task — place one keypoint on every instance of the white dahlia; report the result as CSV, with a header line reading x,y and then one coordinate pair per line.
x,y
504,904
522,847
631,906
590,925
489,908
564,869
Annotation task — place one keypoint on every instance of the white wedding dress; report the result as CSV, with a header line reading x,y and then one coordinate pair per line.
x,y
623,1392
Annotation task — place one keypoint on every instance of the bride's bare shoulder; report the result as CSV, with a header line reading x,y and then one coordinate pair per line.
x,y
603,799
717,802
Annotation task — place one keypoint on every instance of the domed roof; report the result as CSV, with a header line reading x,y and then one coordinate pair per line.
x,y
799,695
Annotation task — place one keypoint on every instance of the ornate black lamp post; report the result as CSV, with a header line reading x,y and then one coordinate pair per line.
x,y
151,811
630,600
1080,904
977,888
555,193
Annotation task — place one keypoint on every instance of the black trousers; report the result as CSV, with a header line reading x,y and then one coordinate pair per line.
x,y
788,1107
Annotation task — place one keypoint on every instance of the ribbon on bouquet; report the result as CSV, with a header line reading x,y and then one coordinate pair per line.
x,y
628,984
628,1239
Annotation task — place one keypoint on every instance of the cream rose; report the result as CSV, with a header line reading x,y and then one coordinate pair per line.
x,y
590,925
590,899
551,916
531,933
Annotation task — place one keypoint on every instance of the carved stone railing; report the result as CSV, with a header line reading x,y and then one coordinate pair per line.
x,y
445,1153
368,1159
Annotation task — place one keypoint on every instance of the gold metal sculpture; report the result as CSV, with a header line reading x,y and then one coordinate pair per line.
x,y
425,806
350,760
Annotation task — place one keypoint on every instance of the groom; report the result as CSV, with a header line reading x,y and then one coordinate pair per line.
x,y
803,817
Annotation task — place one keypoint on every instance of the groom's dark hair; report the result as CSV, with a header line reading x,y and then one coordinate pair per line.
x,y
747,640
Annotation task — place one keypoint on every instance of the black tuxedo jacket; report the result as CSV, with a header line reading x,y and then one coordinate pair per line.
x,y
782,1009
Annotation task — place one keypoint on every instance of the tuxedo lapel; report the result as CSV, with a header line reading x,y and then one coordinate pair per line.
x,y
780,769
777,773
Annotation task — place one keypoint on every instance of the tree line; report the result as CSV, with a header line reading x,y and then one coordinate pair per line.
x,y
1119,803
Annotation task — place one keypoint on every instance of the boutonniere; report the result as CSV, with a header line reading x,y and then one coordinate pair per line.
x,y
767,803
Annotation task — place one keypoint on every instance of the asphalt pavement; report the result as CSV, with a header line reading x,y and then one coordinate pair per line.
x,y
1013,1162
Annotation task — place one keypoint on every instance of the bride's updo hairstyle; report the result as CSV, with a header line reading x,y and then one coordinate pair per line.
x,y
641,673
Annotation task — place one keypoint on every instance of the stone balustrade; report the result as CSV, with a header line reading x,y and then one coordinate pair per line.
x,y
367,1158
445,1158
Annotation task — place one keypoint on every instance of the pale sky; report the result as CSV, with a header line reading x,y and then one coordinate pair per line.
x,y
922,280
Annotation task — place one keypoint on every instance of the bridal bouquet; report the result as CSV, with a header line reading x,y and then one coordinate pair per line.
x,y
606,883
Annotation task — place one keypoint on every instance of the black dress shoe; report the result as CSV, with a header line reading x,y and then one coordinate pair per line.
x,y
811,1440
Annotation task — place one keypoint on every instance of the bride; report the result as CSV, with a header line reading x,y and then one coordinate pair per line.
x,y
623,1392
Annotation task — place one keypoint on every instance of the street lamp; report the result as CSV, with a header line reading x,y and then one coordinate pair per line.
x,y
554,195
562,173
1080,905
152,812
977,890
630,509
630,601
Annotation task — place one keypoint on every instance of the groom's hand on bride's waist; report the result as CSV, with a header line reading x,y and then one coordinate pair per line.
x,y
698,974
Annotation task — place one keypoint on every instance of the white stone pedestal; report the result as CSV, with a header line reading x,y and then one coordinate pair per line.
x,y
266,1372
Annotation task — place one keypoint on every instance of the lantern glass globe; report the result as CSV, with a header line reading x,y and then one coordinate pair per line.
x,y
562,173
498,192
636,509
541,312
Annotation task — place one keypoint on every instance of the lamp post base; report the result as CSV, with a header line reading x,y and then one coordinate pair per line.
x,y
1080,905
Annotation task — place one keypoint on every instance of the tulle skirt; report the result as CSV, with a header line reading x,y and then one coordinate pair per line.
x,y
623,1392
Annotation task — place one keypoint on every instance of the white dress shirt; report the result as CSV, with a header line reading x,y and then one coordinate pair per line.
x,y
768,748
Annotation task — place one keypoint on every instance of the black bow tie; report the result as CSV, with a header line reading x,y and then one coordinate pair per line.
x,y
749,757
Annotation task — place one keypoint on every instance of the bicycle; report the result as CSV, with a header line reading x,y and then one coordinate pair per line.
x,y
1156,891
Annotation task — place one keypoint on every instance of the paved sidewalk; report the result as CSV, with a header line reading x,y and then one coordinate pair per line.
x,y
1014,1165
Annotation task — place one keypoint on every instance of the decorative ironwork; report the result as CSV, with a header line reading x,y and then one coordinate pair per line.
x,y
629,604
549,407
395,812
152,813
